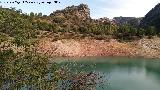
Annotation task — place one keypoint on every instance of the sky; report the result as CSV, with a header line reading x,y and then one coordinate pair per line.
x,y
98,8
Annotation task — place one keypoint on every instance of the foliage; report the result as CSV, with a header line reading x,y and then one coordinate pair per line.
x,y
28,70
151,31
3,37
22,26
33,71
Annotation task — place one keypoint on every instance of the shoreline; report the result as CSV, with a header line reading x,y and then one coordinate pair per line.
x,y
146,48
99,59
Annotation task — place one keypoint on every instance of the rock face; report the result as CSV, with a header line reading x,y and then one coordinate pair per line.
x,y
152,18
78,15
127,20
149,47
80,12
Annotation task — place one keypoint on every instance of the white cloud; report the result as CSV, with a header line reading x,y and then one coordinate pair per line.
x,y
98,8
130,8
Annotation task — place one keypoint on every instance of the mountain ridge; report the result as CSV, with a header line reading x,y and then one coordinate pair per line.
x,y
152,18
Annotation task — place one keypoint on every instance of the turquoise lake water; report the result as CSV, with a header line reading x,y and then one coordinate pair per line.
x,y
123,73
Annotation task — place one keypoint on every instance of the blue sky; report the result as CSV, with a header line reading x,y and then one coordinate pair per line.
x,y
98,8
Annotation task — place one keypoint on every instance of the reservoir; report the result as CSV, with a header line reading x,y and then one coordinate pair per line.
x,y
121,73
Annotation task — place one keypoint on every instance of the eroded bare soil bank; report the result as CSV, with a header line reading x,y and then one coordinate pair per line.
x,y
149,48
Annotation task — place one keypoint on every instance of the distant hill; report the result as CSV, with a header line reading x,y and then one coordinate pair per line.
x,y
127,20
152,18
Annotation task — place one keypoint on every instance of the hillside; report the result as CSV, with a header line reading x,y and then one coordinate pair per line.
x,y
152,18
71,22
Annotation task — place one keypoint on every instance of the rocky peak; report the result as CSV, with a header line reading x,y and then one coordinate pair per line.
x,y
80,12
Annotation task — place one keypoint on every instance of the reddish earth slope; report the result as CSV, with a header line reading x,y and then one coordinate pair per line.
x,y
85,47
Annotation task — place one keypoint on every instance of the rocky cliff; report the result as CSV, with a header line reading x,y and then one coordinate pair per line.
x,y
127,20
78,15
80,12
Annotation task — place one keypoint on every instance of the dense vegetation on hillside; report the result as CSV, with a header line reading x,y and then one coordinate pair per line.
x,y
71,22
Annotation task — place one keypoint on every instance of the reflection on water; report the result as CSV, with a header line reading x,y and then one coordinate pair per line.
x,y
125,73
